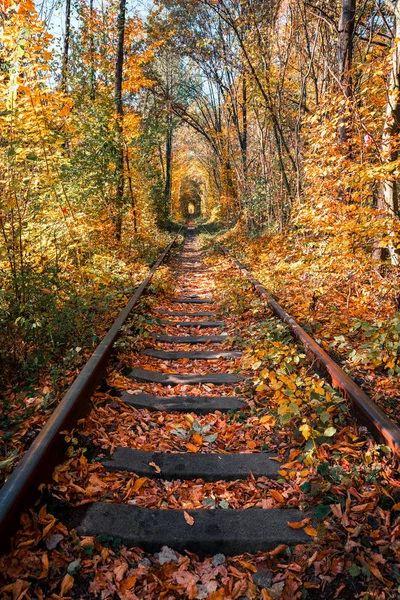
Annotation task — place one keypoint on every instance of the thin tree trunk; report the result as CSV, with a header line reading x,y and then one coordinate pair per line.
x,y
168,167
67,37
389,198
133,201
345,60
244,125
119,112
91,49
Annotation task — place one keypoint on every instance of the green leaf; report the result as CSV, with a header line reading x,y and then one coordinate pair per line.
x,y
31,156
354,570
325,416
286,418
74,566
288,393
305,487
322,511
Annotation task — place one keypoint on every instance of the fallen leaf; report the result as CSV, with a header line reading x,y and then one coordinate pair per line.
x,y
188,518
128,584
192,447
197,439
247,565
155,467
277,496
278,550
299,524
140,482
66,584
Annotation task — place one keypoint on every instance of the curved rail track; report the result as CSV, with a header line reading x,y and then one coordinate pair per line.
x,y
188,330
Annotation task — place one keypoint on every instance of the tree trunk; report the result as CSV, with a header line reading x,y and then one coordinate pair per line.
x,y
345,59
119,163
168,166
389,198
67,36
133,200
243,137
91,49
391,127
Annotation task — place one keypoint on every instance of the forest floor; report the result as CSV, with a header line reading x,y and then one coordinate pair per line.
x,y
327,463
350,304
75,314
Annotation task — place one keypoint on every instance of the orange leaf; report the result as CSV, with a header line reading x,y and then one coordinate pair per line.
x,y
197,439
290,465
278,550
139,483
45,567
277,496
299,524
128,584
247,565
218,595
155,467
252,444
66,584
188,518
310,531
191,447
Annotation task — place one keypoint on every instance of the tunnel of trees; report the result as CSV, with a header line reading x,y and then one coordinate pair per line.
x,y
190,199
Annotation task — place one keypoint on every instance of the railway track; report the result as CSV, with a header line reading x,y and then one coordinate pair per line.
x,y
171,401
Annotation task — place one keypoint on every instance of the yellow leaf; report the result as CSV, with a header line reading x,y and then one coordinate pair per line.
x,y
261,388
268,419
305,430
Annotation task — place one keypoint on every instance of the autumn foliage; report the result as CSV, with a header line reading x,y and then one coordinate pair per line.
x,y
277,124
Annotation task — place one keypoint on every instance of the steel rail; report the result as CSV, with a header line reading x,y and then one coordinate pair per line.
x,y
365,409
48,447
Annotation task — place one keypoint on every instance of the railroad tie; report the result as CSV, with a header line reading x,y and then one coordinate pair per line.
x,y
213,531
183,378
177,465
189,339
199,405
195,355
179,313
194,324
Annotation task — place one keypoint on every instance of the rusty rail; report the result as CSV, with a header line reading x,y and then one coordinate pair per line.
x,y
48,447
365,409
